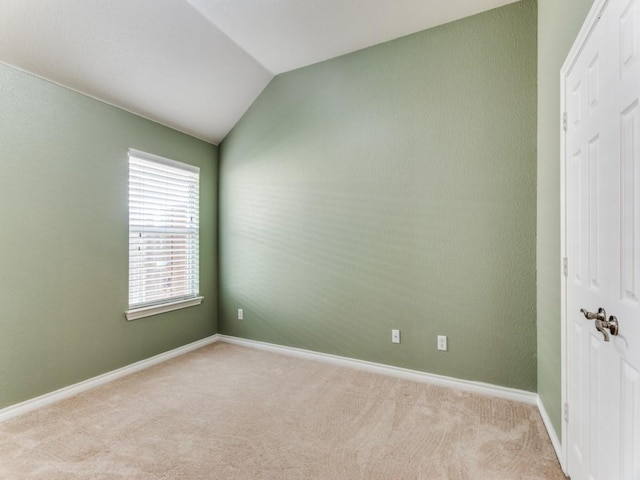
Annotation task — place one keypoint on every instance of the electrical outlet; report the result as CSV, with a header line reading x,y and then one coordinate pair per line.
x,y
395,336
240,314
442,343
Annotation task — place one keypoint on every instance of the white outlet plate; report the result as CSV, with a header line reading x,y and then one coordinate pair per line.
x,y
395,336
442,343
240,314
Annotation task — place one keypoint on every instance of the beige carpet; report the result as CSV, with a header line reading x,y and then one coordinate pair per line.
x,y
226,412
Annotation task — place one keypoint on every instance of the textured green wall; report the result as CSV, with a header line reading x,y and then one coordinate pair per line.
x,y
558,26
63,241
392,188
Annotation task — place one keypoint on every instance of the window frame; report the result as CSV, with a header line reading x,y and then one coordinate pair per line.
x,y
168,303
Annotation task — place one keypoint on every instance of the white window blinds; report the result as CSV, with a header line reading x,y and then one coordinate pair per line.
x,y
163,230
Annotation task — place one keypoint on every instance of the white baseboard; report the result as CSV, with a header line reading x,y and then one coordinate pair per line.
x,y
71,390
557,445
414,375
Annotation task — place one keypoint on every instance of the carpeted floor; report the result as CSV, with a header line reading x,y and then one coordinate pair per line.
x,y
227,412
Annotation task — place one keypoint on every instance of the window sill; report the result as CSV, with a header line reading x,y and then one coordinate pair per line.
x,y
137,313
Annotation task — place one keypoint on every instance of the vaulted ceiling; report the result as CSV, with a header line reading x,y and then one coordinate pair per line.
x,y
197,65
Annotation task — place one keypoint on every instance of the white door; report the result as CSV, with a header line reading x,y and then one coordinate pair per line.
x,y
601,83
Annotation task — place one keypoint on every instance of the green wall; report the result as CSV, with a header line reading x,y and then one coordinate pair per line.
x,y
394,187
558,26
64,238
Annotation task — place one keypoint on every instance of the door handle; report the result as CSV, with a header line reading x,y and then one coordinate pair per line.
x,y
601,315
602,324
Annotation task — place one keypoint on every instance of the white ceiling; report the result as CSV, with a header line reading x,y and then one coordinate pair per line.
x,y
197,65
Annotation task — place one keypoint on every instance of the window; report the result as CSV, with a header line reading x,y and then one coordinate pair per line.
x,y
163,235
